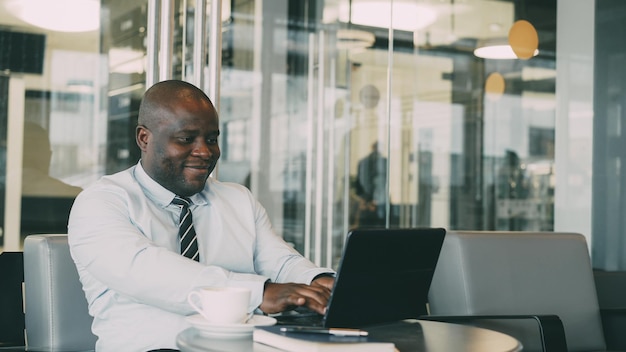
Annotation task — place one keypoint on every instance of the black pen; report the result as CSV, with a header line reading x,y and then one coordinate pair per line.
x,y
329,331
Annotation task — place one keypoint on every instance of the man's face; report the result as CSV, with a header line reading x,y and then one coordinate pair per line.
x,y
181,150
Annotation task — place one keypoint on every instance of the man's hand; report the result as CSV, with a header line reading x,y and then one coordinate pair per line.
x,y
324,281
281,297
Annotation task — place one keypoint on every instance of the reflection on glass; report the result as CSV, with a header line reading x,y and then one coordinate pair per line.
x,y
308,109
46,201
371,188
308,87
37,154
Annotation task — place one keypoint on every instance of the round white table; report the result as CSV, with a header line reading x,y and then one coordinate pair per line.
x,y
409,335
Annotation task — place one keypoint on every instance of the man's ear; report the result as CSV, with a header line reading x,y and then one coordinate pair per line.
x,y
142,134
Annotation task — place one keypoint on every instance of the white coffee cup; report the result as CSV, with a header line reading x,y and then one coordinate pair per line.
x,y
221,305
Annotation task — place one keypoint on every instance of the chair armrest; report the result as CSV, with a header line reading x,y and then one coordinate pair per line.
x,y
550,327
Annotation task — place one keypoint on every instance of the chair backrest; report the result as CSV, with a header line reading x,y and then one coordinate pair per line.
x,y
518,273
57,317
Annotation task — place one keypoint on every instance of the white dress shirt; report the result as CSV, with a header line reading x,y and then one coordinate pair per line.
x,y
123,236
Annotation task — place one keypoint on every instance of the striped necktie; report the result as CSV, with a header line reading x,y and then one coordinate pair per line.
x,y
186,233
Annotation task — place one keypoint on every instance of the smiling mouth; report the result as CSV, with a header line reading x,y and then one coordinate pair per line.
x,y
199,167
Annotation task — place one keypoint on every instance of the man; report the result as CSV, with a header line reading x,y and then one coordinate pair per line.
x,y
370,187
37,155
123,232
46,201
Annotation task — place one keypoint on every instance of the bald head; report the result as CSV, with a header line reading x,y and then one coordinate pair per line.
x,y
177,133
163,98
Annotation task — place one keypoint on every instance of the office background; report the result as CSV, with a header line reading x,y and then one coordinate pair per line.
x,y
306,90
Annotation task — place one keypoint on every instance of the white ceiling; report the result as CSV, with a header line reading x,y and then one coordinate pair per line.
x,y
71,54
86,41
467,18
455,19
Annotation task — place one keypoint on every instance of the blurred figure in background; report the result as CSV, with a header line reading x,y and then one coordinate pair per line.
x,y
371,181
46,201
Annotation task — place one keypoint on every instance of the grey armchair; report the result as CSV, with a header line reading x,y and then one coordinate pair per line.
x,y
57,317
544,276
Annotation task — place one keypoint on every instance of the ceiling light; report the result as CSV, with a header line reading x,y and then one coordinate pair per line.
x,y
497,49
407,16
494,86
58,15
523,39
522,43
354,39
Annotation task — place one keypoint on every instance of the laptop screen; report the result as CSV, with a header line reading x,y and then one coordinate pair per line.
x,y
384,275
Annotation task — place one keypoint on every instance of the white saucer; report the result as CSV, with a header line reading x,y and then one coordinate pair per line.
x,y
229,330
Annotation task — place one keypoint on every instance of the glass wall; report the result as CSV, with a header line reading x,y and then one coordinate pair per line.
x,y
52,133
340,114
337,113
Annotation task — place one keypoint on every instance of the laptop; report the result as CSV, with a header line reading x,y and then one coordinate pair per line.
x,y
384,275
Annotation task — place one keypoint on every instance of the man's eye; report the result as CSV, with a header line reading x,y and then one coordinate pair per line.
x,y
212,141
186,139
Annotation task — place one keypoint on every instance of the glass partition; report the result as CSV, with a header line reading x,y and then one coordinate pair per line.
x,y
340,114
53,131
336,113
